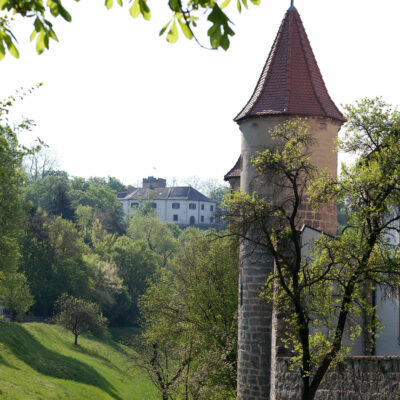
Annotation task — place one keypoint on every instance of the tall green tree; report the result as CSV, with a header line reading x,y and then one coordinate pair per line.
x,y
53,261
136,266
319,292
15,294
103,200
51,194
11,180
160,237
190,317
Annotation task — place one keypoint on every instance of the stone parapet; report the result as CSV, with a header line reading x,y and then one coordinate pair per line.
x,y
358,378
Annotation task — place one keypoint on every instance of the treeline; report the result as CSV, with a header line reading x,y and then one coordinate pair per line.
x,y
67,236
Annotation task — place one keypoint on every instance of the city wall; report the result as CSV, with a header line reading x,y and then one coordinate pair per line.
x,y
360,378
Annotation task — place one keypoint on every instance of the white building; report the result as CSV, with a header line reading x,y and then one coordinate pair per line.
x,y
181,205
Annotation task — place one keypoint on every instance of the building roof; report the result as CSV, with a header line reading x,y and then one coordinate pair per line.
x,y
173,193
235,171
291,82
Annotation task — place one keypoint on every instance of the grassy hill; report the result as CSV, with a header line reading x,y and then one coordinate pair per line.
x,y
39,361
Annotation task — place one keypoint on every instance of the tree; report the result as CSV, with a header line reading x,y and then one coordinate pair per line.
x,y
321,293
184,15
15,294
103,200
190,317
52,194
53,261
39,164
159,236
79,316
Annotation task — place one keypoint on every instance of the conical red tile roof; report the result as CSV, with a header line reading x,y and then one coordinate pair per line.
x,y
291,82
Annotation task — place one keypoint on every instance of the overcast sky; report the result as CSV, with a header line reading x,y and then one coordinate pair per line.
x,y
120,101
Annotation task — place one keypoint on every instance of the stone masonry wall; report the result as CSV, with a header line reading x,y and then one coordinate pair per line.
x,y
255,320
360,378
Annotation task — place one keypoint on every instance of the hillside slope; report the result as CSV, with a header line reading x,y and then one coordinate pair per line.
x,y
39,361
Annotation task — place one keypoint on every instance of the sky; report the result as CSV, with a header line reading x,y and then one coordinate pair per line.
x,y
118,100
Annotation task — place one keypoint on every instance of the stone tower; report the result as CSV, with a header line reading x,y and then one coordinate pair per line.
x,y
290,86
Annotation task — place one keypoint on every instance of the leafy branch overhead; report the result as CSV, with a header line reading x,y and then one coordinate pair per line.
x,y
185,17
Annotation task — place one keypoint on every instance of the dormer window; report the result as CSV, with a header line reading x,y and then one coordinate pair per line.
x,y
176,206
134,204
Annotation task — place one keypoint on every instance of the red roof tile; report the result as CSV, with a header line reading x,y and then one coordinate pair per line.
x,y
235,171
291,82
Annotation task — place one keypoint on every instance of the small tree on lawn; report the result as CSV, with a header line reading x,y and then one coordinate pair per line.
x,y
79,316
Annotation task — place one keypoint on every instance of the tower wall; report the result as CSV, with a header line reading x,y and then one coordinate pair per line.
x,y
257,331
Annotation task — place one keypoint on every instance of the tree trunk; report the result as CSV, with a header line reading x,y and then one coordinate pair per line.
x,y
164,395
76,339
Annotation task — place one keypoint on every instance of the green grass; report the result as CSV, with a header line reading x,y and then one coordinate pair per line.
x,y
39,361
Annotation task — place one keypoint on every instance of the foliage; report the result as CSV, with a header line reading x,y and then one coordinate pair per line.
x,y
159,236
40,164
184,15
11,180
98,195
15,294
52,195
190,319
321,293
53,261
106,285
79,316
136,265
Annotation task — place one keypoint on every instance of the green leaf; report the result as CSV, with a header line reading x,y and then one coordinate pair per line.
x,y
2,50
53,35
2,5
120,2
224,42
256,2
185,29
54,9
65,14
33,35
12,49
40,42
109,4
225,3
174,5
38,25
244,3
220,30
172,36
164,28
145,10
135,9
239,6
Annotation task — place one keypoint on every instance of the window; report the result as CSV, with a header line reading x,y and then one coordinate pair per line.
x,y
201,219
153,205
192,206
192,220
175,217
176,206
211,208
212,219
202,206
134,205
